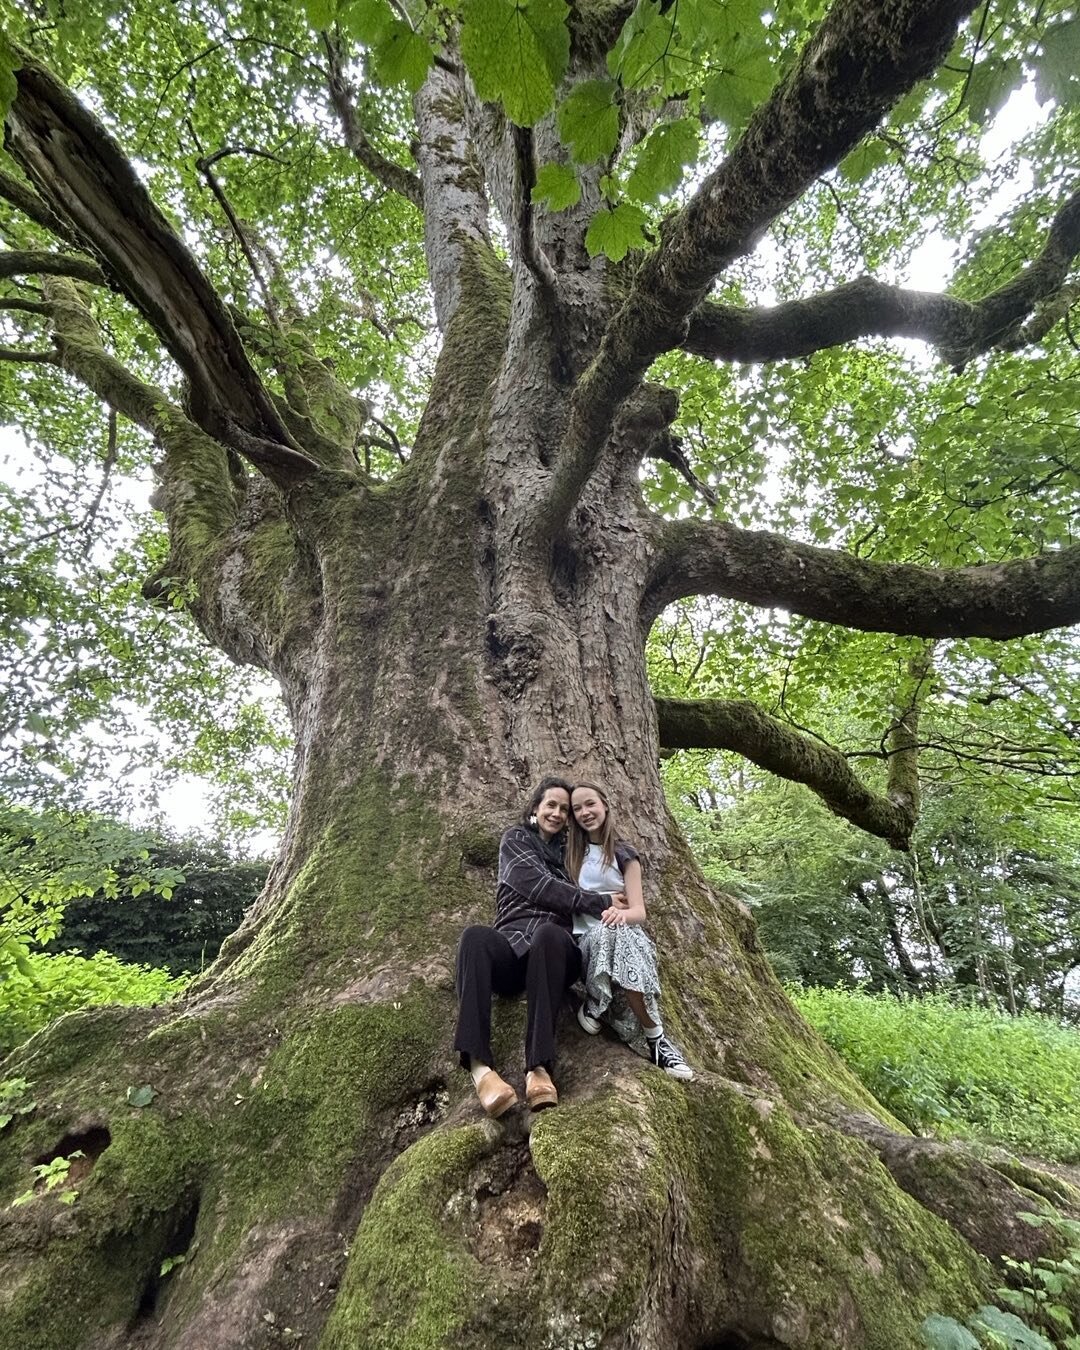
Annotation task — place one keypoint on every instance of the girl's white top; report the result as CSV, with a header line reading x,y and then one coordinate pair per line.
x,y
596,875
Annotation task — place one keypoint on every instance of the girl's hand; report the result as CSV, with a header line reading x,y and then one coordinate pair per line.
x,y
613,917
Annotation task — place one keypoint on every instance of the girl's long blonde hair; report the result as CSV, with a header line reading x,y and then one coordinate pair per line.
x,y
578,841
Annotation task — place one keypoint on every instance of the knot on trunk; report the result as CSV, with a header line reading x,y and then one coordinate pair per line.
x,y
515,648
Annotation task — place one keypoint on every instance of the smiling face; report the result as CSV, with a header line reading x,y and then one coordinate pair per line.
x,y
553,812
589,811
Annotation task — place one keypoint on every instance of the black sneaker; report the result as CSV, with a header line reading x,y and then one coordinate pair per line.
x,y
667,1057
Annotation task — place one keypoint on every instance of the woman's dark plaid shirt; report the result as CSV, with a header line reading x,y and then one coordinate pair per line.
x,y
533,889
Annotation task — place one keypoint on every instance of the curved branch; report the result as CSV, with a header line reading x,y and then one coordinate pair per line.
x,y
863,58
16,302
26,200
40,262
389,174
739,725
198,499
31,357
868,308
994,600
84,177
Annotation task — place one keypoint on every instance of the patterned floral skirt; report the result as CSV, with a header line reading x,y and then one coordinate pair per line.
x,y
614,959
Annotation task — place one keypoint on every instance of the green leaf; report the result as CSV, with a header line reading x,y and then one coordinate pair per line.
x,y
516,52
320,13
368,21
643,45
724,29
589,120
557,187
9,64
991,83
732,94
1058,73
68,1197
864,159
36,724
663,158
402,56
942,1333
140,1096
615,233
1016,1334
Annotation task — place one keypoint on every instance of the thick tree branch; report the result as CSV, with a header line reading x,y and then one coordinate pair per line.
x,y
455,204
16,302
389,174
868,308
995,600
198,498
741,726
26,200
31,357
40,262
84,177
904,789
862,59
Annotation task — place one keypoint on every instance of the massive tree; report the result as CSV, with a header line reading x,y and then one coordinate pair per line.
x,y
454,608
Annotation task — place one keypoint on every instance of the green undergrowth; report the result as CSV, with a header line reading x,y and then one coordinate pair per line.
x,y
52,985
959,1072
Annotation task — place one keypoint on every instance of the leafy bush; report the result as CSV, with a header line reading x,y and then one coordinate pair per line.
x,y
959,1071
58,984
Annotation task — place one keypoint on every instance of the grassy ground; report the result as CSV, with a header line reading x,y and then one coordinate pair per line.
x,y
959,1071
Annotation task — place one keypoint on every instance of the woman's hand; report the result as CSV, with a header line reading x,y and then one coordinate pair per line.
x,y
613,916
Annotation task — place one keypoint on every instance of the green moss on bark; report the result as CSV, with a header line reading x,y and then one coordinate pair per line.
x,y
411,1282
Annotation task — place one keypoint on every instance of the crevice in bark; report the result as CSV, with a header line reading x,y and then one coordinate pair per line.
x,y
90,1140
175,1249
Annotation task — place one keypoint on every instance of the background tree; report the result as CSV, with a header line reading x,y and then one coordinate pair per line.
x,y
983,903
436,540
182,934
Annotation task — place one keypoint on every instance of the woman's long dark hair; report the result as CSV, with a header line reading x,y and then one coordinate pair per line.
x,y
542,788
577,840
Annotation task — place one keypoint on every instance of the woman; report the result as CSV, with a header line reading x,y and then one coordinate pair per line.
x,y
530,948
621,981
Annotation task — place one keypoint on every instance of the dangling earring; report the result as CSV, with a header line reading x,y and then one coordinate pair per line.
x,y
532,821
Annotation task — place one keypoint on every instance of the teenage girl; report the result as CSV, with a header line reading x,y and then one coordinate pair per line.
x,y
621,981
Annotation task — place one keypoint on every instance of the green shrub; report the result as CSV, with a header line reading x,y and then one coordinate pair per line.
x,y
58,984
959,1071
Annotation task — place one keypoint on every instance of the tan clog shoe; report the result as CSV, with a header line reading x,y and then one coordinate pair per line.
x,y
496,1095
540,1090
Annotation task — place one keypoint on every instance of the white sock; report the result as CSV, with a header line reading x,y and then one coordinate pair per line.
x,y
653,1033
478,1071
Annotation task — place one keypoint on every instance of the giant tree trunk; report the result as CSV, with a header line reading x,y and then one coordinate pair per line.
x,y
312,1146
442,640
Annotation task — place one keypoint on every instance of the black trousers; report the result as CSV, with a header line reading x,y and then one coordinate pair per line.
x,y
487,964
